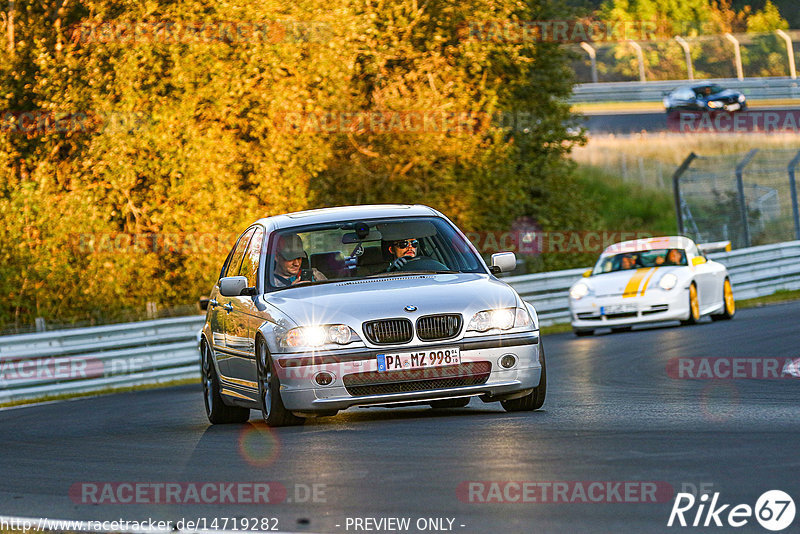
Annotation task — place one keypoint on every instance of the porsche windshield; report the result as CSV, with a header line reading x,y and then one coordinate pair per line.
x,y
640,259
359,249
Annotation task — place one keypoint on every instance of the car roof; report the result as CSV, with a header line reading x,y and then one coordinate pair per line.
x,y
346,213
650,243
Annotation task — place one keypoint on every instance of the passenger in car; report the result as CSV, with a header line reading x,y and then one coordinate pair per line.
x,y
287,270
403,250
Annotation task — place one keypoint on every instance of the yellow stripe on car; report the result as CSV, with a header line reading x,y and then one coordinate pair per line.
x,y
647,281
632,289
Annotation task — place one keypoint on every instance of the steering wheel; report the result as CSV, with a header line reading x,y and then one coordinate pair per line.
x,y
423,263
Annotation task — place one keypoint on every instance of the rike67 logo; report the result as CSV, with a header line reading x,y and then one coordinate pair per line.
x,y
774,510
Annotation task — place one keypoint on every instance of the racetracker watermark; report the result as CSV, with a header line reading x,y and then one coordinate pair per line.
x,y
51,368
569,491
42,122
152,243
531,242
558,31
194,493
778,121
404,122
201,32
732,368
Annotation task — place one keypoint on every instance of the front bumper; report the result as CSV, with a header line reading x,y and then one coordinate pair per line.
x,y
590,312
478,374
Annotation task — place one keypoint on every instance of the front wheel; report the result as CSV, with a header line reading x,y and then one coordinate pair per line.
x,y
217,411
694,307
535,399
729,305
269,391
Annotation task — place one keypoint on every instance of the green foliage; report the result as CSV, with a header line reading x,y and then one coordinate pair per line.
x,y
187,136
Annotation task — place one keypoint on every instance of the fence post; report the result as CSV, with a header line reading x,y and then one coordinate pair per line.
x,y
737,56
793,187
592,57
676,188
40,324
639,58
687,53
742,201
790,53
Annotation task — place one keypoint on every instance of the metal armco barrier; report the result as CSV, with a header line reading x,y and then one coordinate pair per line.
x,y
84,360
753,89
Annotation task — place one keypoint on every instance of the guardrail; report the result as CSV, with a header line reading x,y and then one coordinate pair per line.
x,y
753,89
85,360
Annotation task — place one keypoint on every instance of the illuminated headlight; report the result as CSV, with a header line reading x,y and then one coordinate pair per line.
x,y
316,336
502,319
741,98
668,281
714,104
579,291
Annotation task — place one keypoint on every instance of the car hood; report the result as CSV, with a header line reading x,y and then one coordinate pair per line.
x,y
725,96
352,302
633,281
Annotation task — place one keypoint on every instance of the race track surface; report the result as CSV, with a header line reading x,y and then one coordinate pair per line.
x,y
613,414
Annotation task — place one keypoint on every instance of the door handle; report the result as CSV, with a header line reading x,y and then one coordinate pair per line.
x,y
213,303
228,307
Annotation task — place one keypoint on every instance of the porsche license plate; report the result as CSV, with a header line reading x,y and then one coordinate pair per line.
x,y
418,359
617,308
732,107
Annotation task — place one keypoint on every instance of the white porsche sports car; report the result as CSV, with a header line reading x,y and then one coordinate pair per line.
x,y
651,280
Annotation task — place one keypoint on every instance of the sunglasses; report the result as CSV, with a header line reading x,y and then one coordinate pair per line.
x,y
406,243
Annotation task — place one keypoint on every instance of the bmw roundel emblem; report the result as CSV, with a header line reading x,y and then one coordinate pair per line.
x,y
410,308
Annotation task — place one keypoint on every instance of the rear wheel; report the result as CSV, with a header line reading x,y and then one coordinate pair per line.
x,y
269,391
450,403
729,305
217,411
535,399
694,307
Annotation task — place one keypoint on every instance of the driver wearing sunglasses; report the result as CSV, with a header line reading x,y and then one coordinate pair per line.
x,y
403,250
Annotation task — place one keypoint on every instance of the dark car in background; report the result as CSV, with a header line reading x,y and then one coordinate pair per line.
x,y
704,97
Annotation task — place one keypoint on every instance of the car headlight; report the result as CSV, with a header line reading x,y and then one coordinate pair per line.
x,y
741,98
502,319
714,104
579,291
316,336
668,281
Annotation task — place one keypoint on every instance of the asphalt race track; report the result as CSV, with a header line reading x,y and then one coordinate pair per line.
x,y
613,414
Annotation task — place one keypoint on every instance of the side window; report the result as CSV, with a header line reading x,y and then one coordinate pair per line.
x,y
250,262
238,253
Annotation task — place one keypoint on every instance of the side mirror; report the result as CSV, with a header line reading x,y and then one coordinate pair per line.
x,y
698,260
587,273
234,286
503,262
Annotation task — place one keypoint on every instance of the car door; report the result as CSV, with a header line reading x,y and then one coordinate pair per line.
x,y
245,318
704,276
224,305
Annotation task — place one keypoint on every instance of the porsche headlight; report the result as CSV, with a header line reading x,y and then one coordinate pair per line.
x,y
579,291
714,104
502,319
316,336
668,281
741,98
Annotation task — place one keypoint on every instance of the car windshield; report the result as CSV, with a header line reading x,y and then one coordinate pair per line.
x,y
706,90
359,249
640,259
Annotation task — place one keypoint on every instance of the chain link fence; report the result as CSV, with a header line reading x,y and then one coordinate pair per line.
x,y
749,198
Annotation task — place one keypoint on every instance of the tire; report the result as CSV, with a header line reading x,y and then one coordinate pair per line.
x,y
269,387
582,333
450,403
217,411
618,329
694,307
535,399
728,306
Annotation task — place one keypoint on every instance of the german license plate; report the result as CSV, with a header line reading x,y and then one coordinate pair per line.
x,y
732,107
618,308
418,359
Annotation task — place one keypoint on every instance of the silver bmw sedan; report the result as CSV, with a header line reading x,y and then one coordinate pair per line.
x,y
317,311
